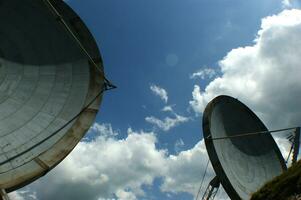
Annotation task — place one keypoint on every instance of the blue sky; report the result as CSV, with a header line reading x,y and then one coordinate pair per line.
x,y
137,36
151,49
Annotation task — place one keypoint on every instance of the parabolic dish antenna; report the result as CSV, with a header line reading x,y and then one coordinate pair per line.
x,y
49,88
242,164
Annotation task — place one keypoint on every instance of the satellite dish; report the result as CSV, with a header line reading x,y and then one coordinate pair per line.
x,y
242,164
46,80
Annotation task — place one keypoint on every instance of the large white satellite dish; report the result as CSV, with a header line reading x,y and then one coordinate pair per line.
x,y
242,164
51,78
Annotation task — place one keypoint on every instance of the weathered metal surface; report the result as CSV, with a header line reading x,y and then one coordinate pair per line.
x,y
242,164
45,80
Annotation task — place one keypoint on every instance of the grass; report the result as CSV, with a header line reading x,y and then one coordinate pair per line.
x,y
281,187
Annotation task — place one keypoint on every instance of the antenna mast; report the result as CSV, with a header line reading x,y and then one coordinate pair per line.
x,y
296,145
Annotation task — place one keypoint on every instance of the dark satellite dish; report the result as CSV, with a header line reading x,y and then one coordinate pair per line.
x,y
242,164
50,82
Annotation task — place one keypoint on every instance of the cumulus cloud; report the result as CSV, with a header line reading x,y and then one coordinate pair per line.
x,y
161,92
286,3
204,73
186,171
121,194
104,168
198,103
168,122
168,109
177,179
266,75
107,168
291,3
179,145
110,168
19,195
105,129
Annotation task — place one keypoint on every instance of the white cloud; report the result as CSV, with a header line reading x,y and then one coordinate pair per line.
x,y
198,103
204,73
265,76
16,196
110,168
105,130
168,109
193,161
186,170
179,145
161,92
291,3
23,195
124,195
168,122
286,3
103,168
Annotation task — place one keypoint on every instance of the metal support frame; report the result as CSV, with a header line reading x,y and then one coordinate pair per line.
x,y
294,139
296,145
214,184
211,189
3,195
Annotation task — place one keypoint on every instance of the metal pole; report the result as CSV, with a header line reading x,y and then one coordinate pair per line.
x,y
211,189
250,134
3,195
296,145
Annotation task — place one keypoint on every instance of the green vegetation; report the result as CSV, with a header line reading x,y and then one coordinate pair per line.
x,y
282,187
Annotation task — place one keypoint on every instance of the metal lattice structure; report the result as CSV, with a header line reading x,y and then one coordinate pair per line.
x,y
211,189
296,145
